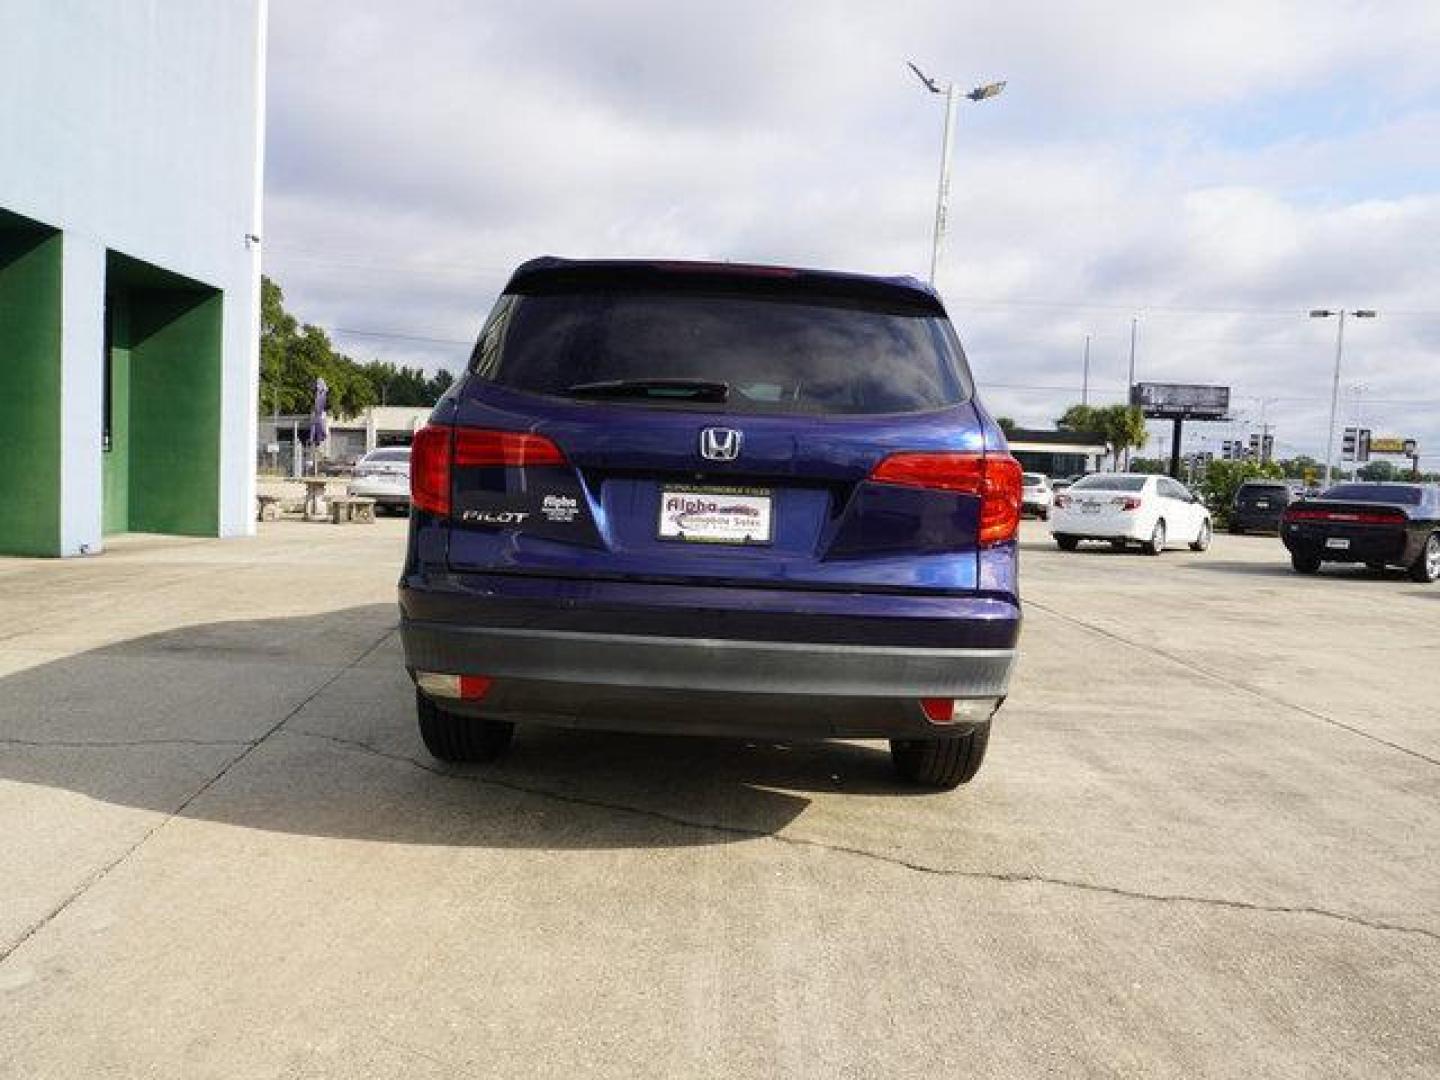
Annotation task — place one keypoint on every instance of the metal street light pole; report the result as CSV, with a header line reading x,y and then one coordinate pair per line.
x,y
1325,313
1130,394
942,197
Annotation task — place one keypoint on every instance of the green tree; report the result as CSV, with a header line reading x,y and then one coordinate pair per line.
x,y
1223,478
294,355
1381,470
1120,426
1006,424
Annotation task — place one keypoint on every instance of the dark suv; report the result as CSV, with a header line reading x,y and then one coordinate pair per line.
x,y
1259,505
714,499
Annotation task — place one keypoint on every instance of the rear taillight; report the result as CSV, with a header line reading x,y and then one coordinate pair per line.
x,y
1126,502
430,469
439,447
1346,517
996,479
478,447
1062,501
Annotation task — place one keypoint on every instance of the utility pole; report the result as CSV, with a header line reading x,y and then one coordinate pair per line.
x,y
1085,382
942,197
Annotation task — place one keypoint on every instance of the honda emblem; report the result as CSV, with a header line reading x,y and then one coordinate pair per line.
x,y
719,444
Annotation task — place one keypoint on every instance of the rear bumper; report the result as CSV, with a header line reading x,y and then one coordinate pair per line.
x,y
1099,526
1389,546
388,494
698,677
1256,520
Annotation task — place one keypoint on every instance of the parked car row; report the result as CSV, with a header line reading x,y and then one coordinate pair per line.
x,y
1382,525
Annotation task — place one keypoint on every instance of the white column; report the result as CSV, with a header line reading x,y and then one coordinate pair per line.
x,y
82,393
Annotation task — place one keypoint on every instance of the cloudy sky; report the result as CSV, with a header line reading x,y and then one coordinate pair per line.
x,y
1214,170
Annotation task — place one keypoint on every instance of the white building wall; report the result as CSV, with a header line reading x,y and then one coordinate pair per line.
x,y
138,126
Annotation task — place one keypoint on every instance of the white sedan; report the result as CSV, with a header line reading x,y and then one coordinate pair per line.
x,y
1125,508
1036,495
384,475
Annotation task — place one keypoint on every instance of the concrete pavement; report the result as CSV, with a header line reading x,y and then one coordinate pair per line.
x,y
1205,843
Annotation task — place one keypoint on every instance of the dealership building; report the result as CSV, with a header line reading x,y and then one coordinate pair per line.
x,y
130,185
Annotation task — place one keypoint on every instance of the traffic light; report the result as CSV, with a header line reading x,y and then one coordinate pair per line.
x,y
1267,448
1348,444
1362,444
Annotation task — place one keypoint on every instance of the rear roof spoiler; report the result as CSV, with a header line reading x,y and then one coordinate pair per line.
x,y
551,274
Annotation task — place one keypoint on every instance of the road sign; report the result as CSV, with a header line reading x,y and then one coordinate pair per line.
x,y
1392,444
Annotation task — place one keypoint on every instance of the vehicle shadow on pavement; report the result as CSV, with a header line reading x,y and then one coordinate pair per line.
x,y
1282,569
306,725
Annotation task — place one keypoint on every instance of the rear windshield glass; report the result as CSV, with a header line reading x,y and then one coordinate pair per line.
x,y
771,356
1101,482
1265,489
1033,479
1381,493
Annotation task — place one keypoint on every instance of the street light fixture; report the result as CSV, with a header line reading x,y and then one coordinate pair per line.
x,y
942,199
1325,313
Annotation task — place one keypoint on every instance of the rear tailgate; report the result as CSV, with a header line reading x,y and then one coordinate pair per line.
x,y
634,499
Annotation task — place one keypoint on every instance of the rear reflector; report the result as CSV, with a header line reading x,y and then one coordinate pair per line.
x,y
944,710
464,687
938,710
438,447
996,479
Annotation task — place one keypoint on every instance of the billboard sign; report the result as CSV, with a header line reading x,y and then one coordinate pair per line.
x,y
1181,401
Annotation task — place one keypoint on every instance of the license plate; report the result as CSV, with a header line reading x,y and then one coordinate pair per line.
x,y
1090,508
1262,506
716,515
1337,543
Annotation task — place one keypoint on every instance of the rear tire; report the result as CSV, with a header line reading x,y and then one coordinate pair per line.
x,y
1426,567
1068,543
1305,564
943,764
1156,544
1202,540
451,737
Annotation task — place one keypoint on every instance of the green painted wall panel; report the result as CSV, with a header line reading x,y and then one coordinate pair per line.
x,y
30,283
174,413
116,462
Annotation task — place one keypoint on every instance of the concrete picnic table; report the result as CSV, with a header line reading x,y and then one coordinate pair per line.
x,y
315,488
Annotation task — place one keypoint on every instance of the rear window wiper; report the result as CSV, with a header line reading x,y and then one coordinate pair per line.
x,y
676,389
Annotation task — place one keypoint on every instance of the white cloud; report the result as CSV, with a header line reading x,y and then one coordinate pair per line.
x,y
1222,166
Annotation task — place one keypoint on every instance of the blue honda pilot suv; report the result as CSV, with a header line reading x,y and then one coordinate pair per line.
x,y
715,499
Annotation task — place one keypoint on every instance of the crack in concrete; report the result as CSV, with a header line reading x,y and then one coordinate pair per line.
x,y
1233,684
8,950
998,876
118,744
